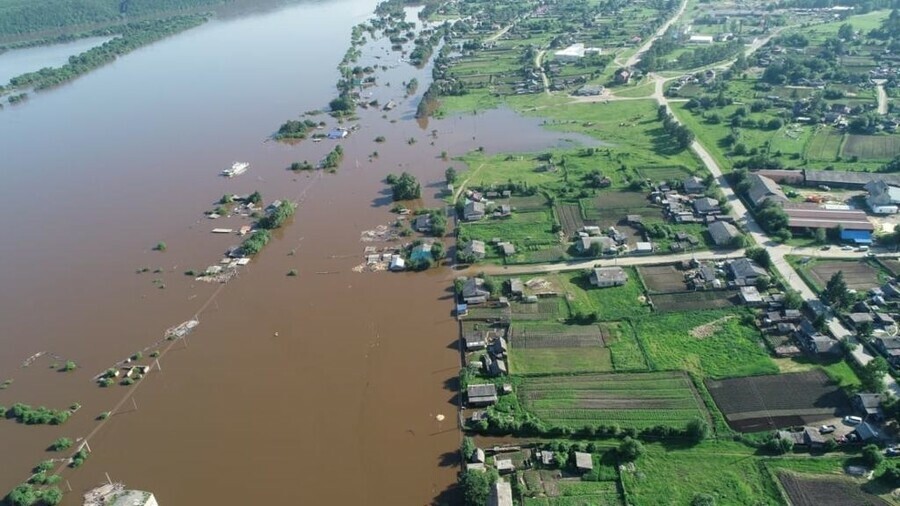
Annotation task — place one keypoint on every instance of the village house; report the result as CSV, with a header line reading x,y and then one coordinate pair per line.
x,y
814,342
722,233
868,405
889,347
608,276
423,223
882,198
473,211
762,188
693,186
706,206
516,287
746,271
482,395
473,291
501,494
583,244
475,249
492,366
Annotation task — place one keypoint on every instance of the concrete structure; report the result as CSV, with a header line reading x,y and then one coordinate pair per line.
x,y
575,52
608,276
701,39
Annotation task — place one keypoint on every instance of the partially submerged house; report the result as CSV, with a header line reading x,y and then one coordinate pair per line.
x,y
608,276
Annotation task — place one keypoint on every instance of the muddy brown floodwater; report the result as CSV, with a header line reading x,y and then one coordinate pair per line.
x,y
322,388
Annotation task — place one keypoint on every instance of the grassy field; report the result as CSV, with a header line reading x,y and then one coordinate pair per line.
x,y
522,229
859,274
559,360
628,400
553,348
725,470
710,343
613,303
581,493
872,147
825,144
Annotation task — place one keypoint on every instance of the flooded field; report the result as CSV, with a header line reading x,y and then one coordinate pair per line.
x,y
290,384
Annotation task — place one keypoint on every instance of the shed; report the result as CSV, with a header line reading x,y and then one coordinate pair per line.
x,y
643,247
546,457
750,296
504,465
583,461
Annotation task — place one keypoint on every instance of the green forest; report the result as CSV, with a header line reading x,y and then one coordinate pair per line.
x,y
19,18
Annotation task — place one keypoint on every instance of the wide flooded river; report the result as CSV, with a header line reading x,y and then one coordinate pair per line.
x,y
320,388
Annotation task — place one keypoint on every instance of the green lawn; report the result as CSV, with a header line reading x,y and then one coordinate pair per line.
x,y
727,471
724,347
521,228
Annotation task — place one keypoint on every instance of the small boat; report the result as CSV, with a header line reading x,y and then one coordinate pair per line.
x,y
237,168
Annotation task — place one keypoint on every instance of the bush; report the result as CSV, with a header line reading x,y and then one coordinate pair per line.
x,y
697,430
60,444
160,246
630,449
70,366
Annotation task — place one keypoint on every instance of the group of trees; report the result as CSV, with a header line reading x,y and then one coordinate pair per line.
x,y
404,187
333,158
27,494
276,217
683,135
23,413
295,129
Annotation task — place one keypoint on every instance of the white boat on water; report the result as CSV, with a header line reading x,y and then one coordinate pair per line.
x,y
237,168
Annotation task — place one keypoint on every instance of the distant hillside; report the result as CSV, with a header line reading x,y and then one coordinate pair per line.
x,y
21,18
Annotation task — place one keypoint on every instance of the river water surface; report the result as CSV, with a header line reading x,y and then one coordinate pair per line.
x,y
320,388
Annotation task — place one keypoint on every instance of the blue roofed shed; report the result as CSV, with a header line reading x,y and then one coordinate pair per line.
x,y
857,236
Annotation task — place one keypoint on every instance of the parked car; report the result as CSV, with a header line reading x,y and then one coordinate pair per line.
x,y
827,429
826,247
852,420
847,248
892,452
862,248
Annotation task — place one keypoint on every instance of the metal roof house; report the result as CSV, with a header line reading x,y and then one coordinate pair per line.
x,y
723,233
608,276
473,291
482,395
475,249
473,211
762,188
501,494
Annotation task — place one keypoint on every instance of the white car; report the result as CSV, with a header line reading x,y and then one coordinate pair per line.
x,y
847,248
852,420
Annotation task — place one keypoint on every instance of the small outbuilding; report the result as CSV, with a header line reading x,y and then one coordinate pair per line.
x,y
583,461
608,276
